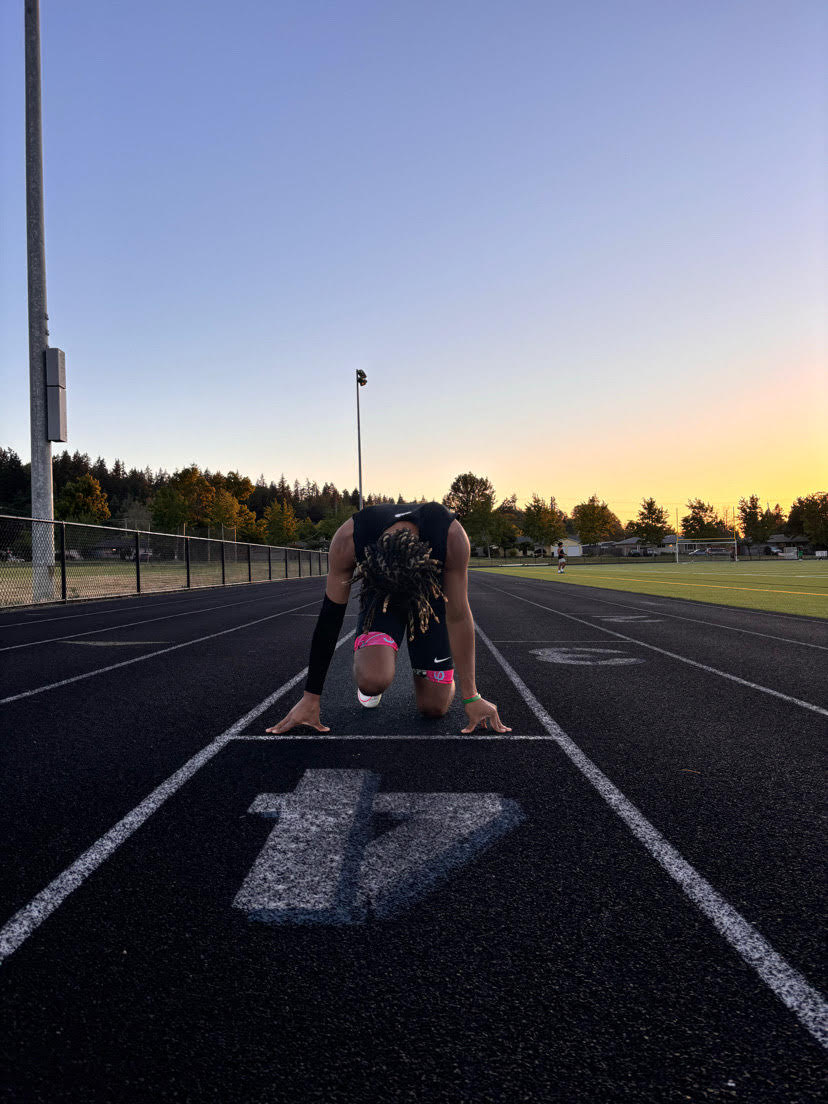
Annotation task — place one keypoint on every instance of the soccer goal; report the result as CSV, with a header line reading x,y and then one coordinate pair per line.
x,y
707,549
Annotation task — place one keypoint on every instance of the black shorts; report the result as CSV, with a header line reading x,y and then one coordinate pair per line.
x,y
428,651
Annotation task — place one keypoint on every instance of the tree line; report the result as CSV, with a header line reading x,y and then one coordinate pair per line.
x,y
231,505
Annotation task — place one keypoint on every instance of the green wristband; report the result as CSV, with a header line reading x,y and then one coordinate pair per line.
x,y
468,701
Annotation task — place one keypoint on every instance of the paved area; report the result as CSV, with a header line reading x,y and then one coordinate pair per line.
x,y
621,900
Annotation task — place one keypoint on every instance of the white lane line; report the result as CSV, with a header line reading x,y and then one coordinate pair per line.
x,y
149,655
18,929
135,600
673,655
113,643
807,1003
798,617
254,736
653,608
131,624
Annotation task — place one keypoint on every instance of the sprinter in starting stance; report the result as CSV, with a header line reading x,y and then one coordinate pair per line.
x,y
412,562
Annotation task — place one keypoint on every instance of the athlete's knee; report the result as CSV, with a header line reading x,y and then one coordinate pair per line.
x,y
374,674
434,710
373,683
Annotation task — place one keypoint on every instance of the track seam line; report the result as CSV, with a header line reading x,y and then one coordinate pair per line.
x,y
26,920
791,987
673,655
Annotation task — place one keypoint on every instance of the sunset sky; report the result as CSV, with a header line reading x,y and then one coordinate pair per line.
x,y
577,248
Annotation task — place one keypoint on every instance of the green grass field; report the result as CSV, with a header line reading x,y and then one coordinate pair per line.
x,y
794,586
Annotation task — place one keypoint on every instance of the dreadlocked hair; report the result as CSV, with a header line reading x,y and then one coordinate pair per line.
x,y
400,567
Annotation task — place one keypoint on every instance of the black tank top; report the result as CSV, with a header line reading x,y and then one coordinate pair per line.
x,y
432,521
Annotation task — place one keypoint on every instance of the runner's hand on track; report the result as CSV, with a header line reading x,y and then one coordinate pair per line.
x,y
305,712
480,712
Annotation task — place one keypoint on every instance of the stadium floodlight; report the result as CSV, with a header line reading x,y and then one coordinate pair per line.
x,y
361,380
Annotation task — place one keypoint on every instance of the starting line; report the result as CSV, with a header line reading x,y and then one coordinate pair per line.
x,y
255,737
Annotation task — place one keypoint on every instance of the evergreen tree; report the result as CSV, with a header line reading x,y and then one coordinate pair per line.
x,y
169,509
470,494
702,521
653,522
595,522
809,518
540,524
15,485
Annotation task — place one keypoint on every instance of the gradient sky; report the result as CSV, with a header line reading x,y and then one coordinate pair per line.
x,y
576,247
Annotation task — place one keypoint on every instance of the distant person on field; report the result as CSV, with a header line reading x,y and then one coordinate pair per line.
x,y
561,558
412,561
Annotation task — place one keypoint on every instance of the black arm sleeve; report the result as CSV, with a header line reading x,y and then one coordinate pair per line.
x,y
323,644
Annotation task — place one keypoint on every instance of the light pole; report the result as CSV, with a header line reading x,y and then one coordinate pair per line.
x,y
43,555
361,380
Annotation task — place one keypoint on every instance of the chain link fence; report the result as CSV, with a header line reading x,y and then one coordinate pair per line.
x,y
57,561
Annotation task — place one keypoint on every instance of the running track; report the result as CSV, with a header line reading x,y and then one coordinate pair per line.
x,y
644,928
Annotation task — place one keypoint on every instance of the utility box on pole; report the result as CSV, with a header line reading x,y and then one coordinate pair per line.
x,y
56,395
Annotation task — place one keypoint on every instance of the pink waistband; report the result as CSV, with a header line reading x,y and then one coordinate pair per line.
x,y
369,639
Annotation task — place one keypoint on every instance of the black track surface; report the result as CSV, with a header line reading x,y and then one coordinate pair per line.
x,y
563,963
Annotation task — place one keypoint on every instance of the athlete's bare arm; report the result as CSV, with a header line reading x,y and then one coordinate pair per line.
x,y
341,564
460,625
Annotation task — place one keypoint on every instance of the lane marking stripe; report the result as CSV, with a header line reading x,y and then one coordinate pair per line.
x,y
28,919
133,624
807,1004
673,655
137,601
712,624
703,586
149,655
252,737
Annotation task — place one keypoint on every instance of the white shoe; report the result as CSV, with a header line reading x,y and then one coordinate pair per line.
x,y
367,700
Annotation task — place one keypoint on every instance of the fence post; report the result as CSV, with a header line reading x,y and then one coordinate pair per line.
x,y
137,563
223,569
63,561
286,563
249,565
269,564
299,550
187,559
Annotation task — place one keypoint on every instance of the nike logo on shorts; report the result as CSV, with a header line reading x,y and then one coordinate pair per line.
x,y
443,660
